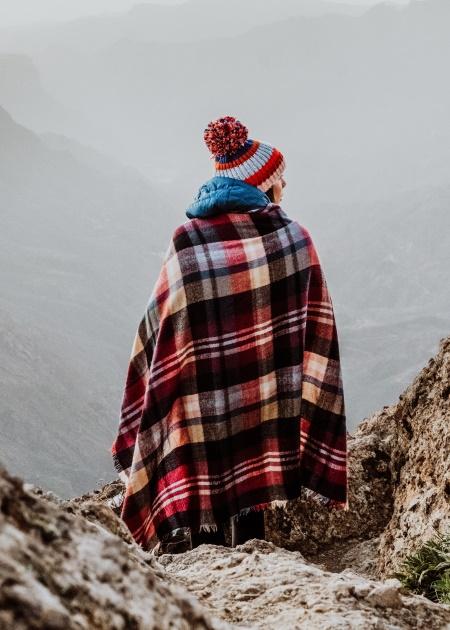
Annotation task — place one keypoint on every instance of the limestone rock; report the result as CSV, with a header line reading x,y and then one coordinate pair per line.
x,y
259,585
399,483
59,570
74,565
307,526
420,461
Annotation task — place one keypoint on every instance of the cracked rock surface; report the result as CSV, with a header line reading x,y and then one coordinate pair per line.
x,y
59,570
259,585
74,565
399,484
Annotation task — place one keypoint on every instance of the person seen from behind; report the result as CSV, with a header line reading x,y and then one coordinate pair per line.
x,y
233,400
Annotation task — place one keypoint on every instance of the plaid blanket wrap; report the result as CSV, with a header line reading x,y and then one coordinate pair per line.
x,y
234,397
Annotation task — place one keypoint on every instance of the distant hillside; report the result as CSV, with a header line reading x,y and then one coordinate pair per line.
x,y
165,22
363,100
78,257
23,94
359,105
387,262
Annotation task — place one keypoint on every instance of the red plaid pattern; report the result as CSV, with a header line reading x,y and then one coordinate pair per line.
x,y
233,396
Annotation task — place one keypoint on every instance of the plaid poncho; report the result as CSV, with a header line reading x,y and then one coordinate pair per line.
x,y
234,397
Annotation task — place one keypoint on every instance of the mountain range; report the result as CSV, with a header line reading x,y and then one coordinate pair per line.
x,y
101,150
75,278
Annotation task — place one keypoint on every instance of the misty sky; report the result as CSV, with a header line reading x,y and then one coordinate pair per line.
x,y
18,12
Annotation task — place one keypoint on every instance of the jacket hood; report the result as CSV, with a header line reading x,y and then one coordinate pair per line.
x,y
226,194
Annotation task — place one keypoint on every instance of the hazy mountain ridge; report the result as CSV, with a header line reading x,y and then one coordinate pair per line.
x,y
75,276
23,94
348,89
388,285
190,21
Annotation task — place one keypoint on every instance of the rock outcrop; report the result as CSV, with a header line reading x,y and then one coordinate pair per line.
x,y
399,462
419,429
73,564
63,569
59,570
259,585
324,536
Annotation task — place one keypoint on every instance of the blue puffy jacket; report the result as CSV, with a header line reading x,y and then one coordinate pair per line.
x,y
226,194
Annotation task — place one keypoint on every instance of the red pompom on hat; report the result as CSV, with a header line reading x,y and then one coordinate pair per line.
x,y
238,156
225,135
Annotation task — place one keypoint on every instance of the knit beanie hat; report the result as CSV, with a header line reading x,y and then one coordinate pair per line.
x,y
236,155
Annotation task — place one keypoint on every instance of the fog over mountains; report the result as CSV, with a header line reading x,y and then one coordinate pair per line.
x,y
170,21
72,252
101,151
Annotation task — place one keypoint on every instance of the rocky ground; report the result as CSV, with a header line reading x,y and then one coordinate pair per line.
x,y
399,486
259,585
73,564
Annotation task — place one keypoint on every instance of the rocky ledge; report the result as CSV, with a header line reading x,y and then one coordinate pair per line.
x,y
72,564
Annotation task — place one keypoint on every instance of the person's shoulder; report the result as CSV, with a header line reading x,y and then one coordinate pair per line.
x,y
305,241
182,234
187,226
301,230
306,233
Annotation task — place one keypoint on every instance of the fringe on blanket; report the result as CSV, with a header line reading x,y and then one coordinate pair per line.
x,y
260,506
208,527
306,493
331,504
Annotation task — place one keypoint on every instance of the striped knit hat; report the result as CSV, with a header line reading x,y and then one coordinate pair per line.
x,y
236,155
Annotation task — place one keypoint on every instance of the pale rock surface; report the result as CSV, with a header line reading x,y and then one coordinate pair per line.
x,y
62,571
419,428
259,585
399,484
73,564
